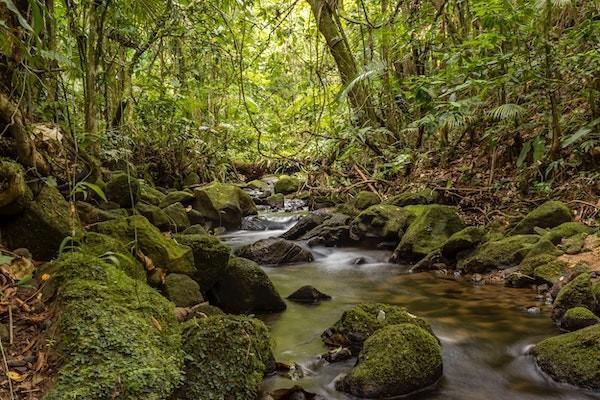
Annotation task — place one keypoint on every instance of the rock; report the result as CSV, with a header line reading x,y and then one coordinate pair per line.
x,y
123,189
463,240
364,200
183,197
14,193
361,321
223,204
163,252
182,290
347,209
422,197
178,218
576,293
573,244
196,229
42,225
337,355
548,215
192,179
276,201
304,225
566,230
227,357
294,393
287,184
549,273
573,357
88,214
329,224
154,215
211,257
432,227
244,288
578,318
150,195
538,269
259,185
396,360
382,222
260,223
498,254
107,326
308,294
274,252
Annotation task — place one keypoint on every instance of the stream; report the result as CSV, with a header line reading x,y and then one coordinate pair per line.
x,y
485,330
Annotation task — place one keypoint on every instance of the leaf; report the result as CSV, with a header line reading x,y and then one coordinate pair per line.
x,y
155,323
15,376
93,187
580,134
11,6
524,151
4,259
373,69
538,148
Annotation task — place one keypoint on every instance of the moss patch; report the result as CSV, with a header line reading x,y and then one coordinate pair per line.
x,y
499,254
364,200
123,189
210,257
465,239
576,293
548,215
568,229
223,204
426,196
381,221
287,184
578,318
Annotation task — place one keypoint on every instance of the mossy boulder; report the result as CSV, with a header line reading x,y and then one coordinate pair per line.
x,y
432,227
223,204
381,222
115,337
42,225
463,240
182,290
244,288
227,358
578,318
573,244
304,225
426,196
576,293
287,184
192,179
396,360
363,320
549,272
123,189
196,229
154,215
178,217
548,215
364,200
88,214
137,231
211,257
498,254
566,230
178,196
14,193
572,357
150,195
258,184
276,201
274,251
523,274
332,223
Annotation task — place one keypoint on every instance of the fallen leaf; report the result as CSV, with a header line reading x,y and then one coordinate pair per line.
x,y
155,323
15,376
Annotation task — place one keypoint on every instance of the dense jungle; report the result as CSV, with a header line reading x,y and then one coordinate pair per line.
x,y
299,199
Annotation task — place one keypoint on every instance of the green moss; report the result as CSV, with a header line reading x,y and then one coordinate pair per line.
x,y
287,184
543,246
14,193
117,338
165,253
573,357
431,228
576,293
573,244
465,239
182,290
178,217
277,200
347,209
499,254
192,179
548,215
177,196
223,204
381,221
578,318
596,295
396,360
210,257
150,195
364,200
258,184
154,215
523,274
550,272
568,229
195,230
422,197
123,189
227,358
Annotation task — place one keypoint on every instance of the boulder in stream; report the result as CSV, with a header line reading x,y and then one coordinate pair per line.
x,y
576,293
384,222
498,254
578,318
223,204
308,294
211,257
274,251
304,225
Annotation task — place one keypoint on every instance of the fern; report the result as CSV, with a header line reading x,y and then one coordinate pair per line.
x,y
507,111
371,70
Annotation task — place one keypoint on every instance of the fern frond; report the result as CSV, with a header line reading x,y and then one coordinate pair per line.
x,y
371,70
507,111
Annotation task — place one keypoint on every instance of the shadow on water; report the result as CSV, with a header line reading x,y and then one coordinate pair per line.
x,y
485,329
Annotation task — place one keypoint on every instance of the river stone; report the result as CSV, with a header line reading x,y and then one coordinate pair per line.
x,y
396,360
182,290
154,215
287,184
227,357
308,294
578,318
223,204
276,201
498,254
548,215
382,222
422,197
123,189
304,225
178,217
211,257
244,288
333,221
364,200
274,251
576,293
573,357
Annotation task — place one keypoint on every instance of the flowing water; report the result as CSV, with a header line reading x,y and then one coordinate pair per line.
x,y
485,330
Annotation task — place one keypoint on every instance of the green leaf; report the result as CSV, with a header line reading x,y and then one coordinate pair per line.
x,y
524,151
4,259
95,188
538,148
11,6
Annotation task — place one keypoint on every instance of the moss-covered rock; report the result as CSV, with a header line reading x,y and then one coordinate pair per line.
x,y
276,201
274,251
432,227
381,222
223,204
573,244
396,360
211,257
196,229
123,189
548,215
227,358
244,288
116,337
463,240
183,197
150,195
596,294
258,184
543,247
523,274
154,215
192,179
572,357
182,290
426,196
42,225
498,254
364,200
138,232
578,318
14,193
178,217
287,184
566,230
550,272
330,223
576,293
88,214
361,321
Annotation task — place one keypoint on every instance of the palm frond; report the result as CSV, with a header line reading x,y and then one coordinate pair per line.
x,y
507,111
371,70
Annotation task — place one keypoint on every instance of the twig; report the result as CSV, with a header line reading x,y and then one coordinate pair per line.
x,y
12,395
586,203
365,179
10,323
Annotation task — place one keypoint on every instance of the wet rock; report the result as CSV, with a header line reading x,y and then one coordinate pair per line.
x,y
576,293
422,197
154,215
578,318
182,290
211,257
304,225
364,200
337,355
178,218
183,197
548,215
329,225
287,184
294,393
276,201
382,222
123,189
498,254
227,357
274,252
396,360
308,294
244,288
572,357
259,223
223,204
259,185
331,236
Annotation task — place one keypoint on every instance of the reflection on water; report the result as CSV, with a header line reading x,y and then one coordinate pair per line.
x,y
485,330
